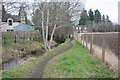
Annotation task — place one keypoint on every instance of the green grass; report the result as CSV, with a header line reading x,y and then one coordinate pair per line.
x,y
27,70
23,71
8,38
20,49
0,74
76,63
61,46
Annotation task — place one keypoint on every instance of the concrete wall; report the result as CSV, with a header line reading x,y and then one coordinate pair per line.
x,y
110,58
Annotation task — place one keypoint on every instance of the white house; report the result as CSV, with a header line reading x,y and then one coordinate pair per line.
x,y
10,21
81,28
9,25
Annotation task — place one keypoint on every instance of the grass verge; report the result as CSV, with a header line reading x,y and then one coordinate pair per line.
x,y
76,63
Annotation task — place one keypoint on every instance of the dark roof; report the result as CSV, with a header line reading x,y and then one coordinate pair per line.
x,y
15,18
5,16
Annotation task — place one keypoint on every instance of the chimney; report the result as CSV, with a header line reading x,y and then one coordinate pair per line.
x,y
22,15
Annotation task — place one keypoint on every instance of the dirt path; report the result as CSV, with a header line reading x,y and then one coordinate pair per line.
x,y
39,72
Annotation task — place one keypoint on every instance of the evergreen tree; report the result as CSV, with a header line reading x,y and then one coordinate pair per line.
x,y
97,16
103,18
91,16
83,18
107,18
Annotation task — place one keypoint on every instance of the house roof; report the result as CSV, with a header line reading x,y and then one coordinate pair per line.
x,y
5,16
23,28
15,18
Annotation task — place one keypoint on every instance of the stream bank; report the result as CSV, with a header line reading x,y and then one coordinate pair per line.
x,y
13,63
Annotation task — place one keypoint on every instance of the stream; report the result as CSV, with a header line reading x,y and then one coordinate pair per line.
x,y
13,63
10,65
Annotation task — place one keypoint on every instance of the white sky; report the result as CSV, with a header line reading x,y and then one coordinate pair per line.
x,y
107,7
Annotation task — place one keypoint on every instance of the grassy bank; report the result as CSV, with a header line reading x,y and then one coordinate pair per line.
x,y
23,71
76,63
19,50
27,70
16,45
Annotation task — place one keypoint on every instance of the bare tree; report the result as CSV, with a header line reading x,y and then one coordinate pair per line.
x,y
50,17
56,17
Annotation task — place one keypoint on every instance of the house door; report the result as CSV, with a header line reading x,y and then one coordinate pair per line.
x,y
10,22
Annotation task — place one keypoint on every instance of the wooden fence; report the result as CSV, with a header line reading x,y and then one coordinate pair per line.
x,y
18,37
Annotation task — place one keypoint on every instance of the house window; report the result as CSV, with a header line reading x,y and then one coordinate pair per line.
x,y
9,30
10,22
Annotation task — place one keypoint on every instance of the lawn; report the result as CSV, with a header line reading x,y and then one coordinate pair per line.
x,y
76,63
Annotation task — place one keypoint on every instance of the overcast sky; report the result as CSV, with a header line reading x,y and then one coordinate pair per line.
x,y
107,7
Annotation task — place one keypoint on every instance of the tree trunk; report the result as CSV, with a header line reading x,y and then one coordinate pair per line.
x,y
43,31
47,29
51,38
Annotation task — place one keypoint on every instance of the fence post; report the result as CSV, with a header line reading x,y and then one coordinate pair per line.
x,y
86,40
15,39
91,43
77,36
4,40
23,38
118,55
118,62
30,37
103,48
83,39
80,39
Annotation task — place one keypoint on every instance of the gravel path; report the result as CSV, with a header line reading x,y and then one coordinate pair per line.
x,y
39,72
